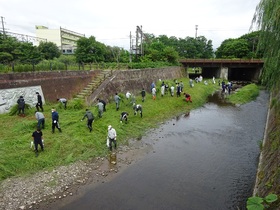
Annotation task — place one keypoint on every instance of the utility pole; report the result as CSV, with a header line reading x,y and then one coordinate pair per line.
x,y
130,48
196,27
3,28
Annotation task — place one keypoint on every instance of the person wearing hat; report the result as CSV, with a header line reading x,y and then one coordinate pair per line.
x,y
39,102
112,136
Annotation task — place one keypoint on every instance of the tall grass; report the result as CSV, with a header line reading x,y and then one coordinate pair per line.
x,y
247,93
76,142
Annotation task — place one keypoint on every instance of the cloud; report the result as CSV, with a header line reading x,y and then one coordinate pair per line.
x,y
112,21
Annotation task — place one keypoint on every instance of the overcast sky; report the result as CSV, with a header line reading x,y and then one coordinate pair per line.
x,y
111,21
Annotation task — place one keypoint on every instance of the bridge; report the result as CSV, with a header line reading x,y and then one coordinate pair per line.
x,y
228,69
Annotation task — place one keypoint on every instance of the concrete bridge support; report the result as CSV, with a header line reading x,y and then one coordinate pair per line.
x,y
224,73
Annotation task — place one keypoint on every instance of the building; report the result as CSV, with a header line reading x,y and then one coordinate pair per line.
x,y
65,39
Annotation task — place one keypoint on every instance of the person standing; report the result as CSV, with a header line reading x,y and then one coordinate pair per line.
x,y
181,86
178,90
37,138
143,94
55,118
103,102
112,135
117,99
154,91
21,106
172,90
100,109
63,101
152,86
39,102
90,118
41,119
162,90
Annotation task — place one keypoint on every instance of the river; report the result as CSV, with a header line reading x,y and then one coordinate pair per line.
x,y
205,160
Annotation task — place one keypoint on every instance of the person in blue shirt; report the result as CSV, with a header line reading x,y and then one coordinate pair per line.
x,y
55,118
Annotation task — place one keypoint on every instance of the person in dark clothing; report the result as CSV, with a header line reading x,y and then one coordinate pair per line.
x,y
55,118
137,108
39,102
37,137
21,106
90,118
143,94
124,117
103,102
178,87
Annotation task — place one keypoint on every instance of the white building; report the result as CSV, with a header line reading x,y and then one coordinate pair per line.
x,y
65,39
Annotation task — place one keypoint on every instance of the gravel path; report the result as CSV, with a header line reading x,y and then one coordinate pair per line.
x,y
40,190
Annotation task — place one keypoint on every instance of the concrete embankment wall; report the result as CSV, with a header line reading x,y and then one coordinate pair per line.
x,y
54,84
133,80
268,177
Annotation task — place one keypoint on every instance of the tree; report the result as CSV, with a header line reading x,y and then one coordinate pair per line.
x,y
266,18
253,40
67,60
49,50
233,48
9,49
89,50
29,54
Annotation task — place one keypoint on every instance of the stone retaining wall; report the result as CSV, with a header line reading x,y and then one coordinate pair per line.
x,y
54,84
133,81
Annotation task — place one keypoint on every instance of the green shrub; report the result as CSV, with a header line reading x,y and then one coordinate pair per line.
x,y
258,203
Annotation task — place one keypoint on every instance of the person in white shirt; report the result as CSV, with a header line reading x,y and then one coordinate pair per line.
x,y
63,101
128,95
112,135
154,90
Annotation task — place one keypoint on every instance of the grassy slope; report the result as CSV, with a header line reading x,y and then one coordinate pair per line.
x,y
76,142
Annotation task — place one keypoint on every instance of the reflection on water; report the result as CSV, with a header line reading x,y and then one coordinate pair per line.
x,y
205,160
112,158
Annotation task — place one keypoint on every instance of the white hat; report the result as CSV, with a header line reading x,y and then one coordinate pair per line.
x,y
109,127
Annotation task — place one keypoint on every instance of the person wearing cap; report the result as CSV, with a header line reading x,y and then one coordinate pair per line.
x,y
39,102
55,118
112,135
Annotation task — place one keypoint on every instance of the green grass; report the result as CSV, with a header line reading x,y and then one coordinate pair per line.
x,y
76,142
244,95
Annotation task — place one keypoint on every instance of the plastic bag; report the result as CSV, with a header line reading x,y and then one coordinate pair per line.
x,y
107,143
